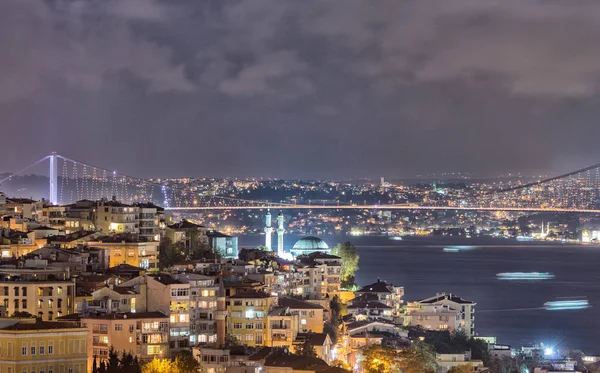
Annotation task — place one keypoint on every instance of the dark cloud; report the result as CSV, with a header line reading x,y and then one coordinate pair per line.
x,y
301,88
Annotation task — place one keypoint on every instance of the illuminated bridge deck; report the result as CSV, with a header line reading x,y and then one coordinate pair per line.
x,y
383,207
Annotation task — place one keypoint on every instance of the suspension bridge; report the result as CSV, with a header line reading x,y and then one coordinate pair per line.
x,y
72,180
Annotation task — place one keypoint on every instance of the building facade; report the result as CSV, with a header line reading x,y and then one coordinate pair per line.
x,y
42,347
145,335
46,293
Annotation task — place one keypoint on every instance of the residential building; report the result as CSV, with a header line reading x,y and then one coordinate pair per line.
x,y
128,249
222,243
190,234
203,307
387,294
29,345
433,317
116,299
310,314
44,292
465,307
149,221
368,305
164,293
448,361
320,342
283,326
116,217
144,334
247,316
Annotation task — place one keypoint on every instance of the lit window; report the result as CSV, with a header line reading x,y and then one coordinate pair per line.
x,y
153,350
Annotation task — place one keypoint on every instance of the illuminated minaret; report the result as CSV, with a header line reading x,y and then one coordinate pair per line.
x,y
268,230
280,232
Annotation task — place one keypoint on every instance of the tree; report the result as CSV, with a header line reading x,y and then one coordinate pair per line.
x,y
231,340
306,349
169,253
129,363
113,364
419,357
332,328
22,315
186,363
379,359
464,368
350,257
161,366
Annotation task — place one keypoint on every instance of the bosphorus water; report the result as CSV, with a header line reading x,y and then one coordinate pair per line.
x,y
510,310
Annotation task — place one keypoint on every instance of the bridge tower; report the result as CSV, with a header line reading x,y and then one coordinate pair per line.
x,y
53,179
280,232
268,230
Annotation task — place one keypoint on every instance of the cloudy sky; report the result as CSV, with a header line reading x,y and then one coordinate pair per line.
x,y
310,89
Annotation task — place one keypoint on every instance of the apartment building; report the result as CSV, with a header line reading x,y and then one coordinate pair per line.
x,y
189,234
465,307
44,292
164,293
283,327
433,317
128,249
144,334
385,293
32,346
310,315
222,243
202,307
116,299
247,316
149,221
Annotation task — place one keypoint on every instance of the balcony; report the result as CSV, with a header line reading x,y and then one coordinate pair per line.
x,y
280,327
100,331
99,343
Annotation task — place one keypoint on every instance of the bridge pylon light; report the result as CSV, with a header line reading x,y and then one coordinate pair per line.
x,y
53,179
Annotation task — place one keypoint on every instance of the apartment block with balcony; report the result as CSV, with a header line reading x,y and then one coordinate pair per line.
x,y
465,307
433,317
203,307
385,293
116,217
144,334
248,316
116,299
310,314
46,293
149,221
33,346
127,249
283,326
164,293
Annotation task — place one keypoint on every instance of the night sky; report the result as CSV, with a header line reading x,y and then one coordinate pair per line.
x,y
302,89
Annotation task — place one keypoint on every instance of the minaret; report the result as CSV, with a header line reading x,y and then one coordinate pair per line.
x,y
268,230
280,232
542,234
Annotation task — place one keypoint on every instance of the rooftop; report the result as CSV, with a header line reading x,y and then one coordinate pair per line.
x,y
446,296
128,315
251,294
40,325
298,304
376,287
185,224
165,279
315,339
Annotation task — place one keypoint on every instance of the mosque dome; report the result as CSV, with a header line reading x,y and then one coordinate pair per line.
x,y
308,245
